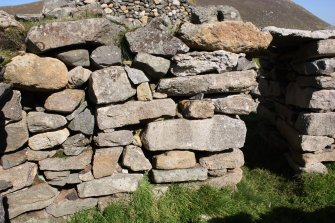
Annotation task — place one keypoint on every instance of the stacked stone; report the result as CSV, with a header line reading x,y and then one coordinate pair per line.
x,y
83,127
298,94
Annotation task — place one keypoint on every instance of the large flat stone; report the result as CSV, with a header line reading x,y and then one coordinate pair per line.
x,y
72,97
105,161
47,36
216,134
228,160
155,67
48,140
35,73
324,66
235,105
316,124
33,155
79,57
239,81
233,36
69,163
174,160
194,63
116,138
43,122
134,159
117,183
34,198
110,85
20,176
133,112
321,82
179,175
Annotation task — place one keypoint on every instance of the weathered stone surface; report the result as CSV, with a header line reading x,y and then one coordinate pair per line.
x,y
317,67
300,142
54,35
230,179
69,163
48,140
32,72
213,14
84,122
52,175
216,134
136,76
13,159
43,122
33,155
317,49
15,135
308,159
179,175
316,124
151,39
134,159
29,17
143,92
75,58
217,173
67,202
174,160
105,161
78,76
155,67
110,85
7,21
76,144
235,105
2,210
65,101
133,112
50,5
4,90
78,110
194,63
117,183
116,138
295,37
12,109
40,216
228,160
323,82
72,178
23,201
233,36
5,185
105,56
20,176
246,64
238,81
197,109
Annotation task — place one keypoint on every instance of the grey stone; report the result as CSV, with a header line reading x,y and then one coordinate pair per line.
x,y
174,160
245,64
78,110
308,159
23,201
136,76
49,5
7,21
4,90
196,109
76,144
217,173
40,216
5,185
179,175
105,56
316,49
93,9
105,161
60,13
15,135
214,13
110,85
217,134
43,122
117,183
310,98
155,67
116,138
78,76
29,17
33,155
20,176
54,35
48,140
13,159
84,122
317,67
228,160
321,82
75,58
52,175
230,179
235,105
314,168
239,81
69,163
133,112
134,159
12,109
316,124
2,210
56,101
194,63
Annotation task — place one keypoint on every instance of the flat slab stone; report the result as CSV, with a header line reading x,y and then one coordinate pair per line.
x,y
195,63
308,159
179,175
174,160
316,49
110,85
116,138
43,122
117,183
33,155
317,67
316,124
23,201
69,163
228,160
48,140
235,105
105,161
217,134
14,159
133,112
72,97
239,81
134,159
54,35
230,179
79,57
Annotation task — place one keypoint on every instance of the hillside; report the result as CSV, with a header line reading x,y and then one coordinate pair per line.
x,y
30,8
